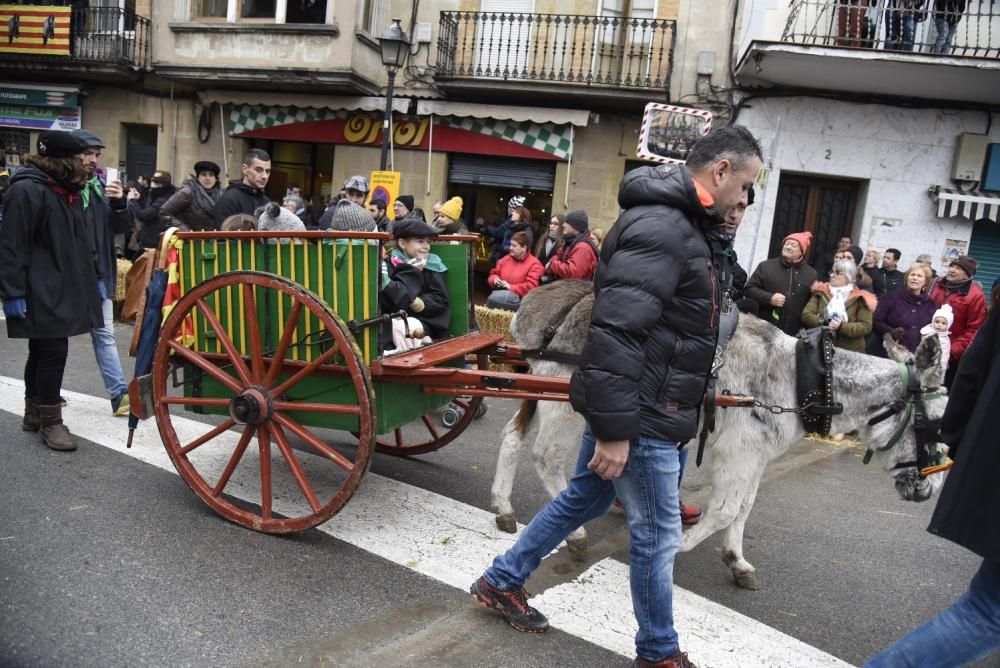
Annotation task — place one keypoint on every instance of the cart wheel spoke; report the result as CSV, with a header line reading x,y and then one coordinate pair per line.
x,y
253,331
340,409
295,467
399,437
286,339
304,372
227,344
206,366
311,439
264,441
430,426
207,436
206,402
234,460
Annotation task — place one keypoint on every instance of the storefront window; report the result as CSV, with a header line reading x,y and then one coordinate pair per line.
x,y
14,143
298,164
296,11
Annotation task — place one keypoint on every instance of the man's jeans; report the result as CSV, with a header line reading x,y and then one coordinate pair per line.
x,y
648,490
945,35
106,353
967,631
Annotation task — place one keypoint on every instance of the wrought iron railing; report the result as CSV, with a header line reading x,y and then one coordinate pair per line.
x,y
102,35
968,28
618,52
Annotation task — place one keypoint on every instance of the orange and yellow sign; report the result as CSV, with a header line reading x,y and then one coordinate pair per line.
x,y
35,29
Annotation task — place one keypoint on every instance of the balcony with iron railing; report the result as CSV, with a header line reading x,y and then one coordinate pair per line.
x,y
614,58
102,41
932,49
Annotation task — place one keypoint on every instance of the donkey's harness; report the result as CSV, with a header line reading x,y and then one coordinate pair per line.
x,y
925,430
814,380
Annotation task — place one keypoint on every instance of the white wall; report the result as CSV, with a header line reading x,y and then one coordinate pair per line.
x,y
897,153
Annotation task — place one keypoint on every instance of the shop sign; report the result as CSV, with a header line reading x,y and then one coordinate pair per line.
x,y
37,97
385,186
35,29
39,118
363,129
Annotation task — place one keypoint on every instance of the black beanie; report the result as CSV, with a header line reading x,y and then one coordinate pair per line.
x,y
578,220
407,201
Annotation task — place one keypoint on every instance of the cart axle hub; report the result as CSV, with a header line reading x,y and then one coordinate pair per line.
x,y
252,406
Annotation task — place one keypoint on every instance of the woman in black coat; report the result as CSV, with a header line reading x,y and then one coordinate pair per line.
x,y
48,275
966,514
148,217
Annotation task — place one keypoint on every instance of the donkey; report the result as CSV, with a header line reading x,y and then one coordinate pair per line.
x,y
760,361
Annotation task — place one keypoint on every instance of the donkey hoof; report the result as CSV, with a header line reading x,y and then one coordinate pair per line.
x,y
507,523
577,547
746,580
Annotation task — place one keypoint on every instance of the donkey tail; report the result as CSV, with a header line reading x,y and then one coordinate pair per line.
x,y
524,415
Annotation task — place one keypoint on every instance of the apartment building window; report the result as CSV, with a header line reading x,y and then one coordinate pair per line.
x,y
376,17
621,9
278,11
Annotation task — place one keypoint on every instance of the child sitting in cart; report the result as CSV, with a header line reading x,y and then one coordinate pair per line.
x,y
413,281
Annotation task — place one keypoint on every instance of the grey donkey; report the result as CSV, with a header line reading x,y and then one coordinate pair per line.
x,y
759,361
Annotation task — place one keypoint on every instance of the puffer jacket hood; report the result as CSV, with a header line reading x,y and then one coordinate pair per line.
x,y
30,173
670,185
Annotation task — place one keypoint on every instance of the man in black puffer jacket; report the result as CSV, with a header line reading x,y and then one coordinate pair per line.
x,y
641,381
246,195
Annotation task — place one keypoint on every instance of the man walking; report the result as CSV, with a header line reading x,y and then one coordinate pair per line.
x,y
106,213
246,195
640,382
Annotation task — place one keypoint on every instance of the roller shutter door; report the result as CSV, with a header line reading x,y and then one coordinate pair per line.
x,y
485,170
985,247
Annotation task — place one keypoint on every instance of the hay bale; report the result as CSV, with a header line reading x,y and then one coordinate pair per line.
x,y
122,270
495,321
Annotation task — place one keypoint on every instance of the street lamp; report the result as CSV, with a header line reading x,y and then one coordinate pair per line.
x,y
395,47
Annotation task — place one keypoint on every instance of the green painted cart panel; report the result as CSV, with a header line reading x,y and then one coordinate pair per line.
x,y
344,274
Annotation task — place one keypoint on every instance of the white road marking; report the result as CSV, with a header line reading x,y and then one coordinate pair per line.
x,y
453,542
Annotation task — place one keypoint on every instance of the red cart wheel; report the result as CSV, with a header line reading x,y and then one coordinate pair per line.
x,y
425,435
259,388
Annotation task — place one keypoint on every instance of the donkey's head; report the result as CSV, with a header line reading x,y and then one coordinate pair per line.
x,y
902,432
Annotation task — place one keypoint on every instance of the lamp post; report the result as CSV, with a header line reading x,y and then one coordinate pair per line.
x,y
395,47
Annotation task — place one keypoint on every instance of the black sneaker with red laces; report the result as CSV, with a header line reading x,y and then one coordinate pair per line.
x,y
678,659
513,605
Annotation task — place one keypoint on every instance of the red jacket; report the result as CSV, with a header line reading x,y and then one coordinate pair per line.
x,y
968,303
523,275
576,259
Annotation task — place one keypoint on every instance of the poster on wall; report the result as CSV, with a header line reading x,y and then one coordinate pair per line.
x,y
953,248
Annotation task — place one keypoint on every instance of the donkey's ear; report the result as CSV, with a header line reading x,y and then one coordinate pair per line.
x,y
928,362
897,352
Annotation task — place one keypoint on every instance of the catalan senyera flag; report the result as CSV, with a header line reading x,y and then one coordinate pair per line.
x,y
173,293
35,29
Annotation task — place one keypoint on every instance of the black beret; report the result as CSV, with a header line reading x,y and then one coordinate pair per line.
x,y
58,144
206,166
89,137
412,227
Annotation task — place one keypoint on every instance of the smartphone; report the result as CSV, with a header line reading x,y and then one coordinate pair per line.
x,y
112,174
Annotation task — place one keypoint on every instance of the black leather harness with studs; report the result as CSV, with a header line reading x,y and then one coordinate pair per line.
x,y
814,380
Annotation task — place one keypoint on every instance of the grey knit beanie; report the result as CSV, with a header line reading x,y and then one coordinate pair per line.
x,y
276,218
350,217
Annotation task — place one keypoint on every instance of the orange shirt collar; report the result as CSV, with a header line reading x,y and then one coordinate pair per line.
x,y
703,195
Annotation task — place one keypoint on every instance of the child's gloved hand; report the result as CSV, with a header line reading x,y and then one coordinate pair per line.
x,y
417,305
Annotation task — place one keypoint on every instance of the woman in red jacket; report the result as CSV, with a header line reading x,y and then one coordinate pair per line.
x,y
577,258
516,274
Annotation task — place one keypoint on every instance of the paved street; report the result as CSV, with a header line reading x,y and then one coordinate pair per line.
x,y
108,559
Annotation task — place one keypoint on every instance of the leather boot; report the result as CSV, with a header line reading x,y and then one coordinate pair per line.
x,y
53,431
30,421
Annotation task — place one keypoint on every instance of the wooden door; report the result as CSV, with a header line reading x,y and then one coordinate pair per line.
x,y
824,207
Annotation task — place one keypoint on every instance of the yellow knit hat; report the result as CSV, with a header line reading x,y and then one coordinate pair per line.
x,y
452,208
